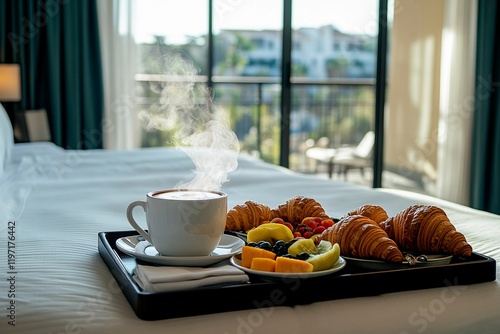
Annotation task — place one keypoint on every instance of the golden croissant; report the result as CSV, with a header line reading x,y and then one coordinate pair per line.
x,y
246,216
427,229
374,212
298,208
359,236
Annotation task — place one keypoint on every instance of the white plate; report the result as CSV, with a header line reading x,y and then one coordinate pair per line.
x,y
228,246
432,260
236,261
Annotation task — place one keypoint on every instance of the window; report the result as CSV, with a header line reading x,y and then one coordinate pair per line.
x,y
333,102
324,98
240,59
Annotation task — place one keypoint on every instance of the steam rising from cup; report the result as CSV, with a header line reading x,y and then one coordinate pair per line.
x,y
199,127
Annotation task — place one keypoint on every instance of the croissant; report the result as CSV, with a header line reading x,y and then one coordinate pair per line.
x,y
374,212
359,236
427,229
246,216
298,208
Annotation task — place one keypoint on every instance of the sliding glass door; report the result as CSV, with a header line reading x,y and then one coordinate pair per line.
x,y
292,75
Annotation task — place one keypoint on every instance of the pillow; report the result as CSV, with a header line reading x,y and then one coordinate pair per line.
x,y
6,138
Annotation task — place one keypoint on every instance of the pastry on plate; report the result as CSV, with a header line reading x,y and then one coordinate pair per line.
x,y
360,237
426,229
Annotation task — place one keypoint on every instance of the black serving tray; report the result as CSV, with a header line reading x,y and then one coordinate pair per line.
x,y
348,282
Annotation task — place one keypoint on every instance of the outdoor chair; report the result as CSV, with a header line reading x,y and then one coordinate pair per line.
x,y
358,157
344,158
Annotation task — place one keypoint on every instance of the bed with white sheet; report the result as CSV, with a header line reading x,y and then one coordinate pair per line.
x,y
54,202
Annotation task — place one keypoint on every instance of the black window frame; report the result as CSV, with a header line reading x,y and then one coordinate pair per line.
x,y
286,83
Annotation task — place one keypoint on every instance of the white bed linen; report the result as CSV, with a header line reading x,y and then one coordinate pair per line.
x,y
60,200
6,138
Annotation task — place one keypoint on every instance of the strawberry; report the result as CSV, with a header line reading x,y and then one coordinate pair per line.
x,y
327,223
319,230
290,226
308,234
278,220
303,228
312,224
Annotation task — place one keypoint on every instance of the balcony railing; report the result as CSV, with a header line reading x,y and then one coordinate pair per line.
x,y
337,111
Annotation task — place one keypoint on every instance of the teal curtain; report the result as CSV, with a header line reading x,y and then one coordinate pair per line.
x,y
485,168
56,42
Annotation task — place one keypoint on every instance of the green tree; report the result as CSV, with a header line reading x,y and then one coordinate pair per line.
x,y
229,56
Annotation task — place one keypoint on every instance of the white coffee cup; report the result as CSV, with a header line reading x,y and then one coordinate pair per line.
x,y
182,222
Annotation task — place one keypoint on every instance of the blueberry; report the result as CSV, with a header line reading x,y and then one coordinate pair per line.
x,y
303,256
280,251
290,256
279,243
252,244
280,247
265,245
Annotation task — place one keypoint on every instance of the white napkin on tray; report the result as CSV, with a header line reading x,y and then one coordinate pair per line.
x,y
167,278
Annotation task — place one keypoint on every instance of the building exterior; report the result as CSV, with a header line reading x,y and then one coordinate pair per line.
x,y
317,53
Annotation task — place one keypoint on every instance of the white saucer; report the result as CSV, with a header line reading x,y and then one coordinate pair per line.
x,y
228,246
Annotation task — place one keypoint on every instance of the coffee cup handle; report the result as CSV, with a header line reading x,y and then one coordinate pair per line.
x,y
132,221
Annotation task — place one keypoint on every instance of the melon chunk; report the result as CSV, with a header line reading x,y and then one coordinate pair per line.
x,y
288,265
263,264
249,253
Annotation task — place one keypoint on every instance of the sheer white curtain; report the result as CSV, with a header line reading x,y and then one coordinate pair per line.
x,y
456,100
121,125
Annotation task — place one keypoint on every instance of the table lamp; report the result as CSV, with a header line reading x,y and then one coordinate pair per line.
x,y
10,91
10,83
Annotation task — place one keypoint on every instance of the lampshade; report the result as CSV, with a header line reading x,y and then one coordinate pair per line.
x,y
10,82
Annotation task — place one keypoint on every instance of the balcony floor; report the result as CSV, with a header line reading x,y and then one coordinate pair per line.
x,y
390,179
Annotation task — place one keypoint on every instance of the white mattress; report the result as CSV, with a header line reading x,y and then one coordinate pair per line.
x,y
60,200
